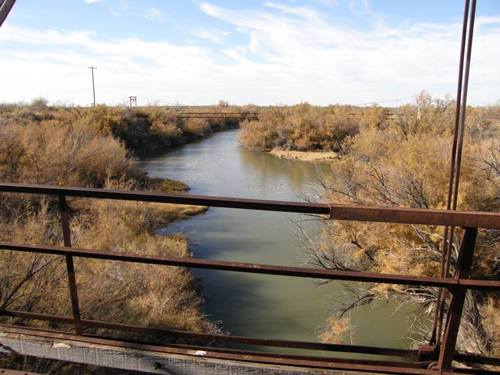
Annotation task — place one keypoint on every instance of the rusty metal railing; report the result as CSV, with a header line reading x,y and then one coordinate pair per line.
x,y
439,356
5,8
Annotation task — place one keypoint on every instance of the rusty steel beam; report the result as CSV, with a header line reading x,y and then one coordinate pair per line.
x,y
490,220
5,8
6,371
257,268
217,115
217,339
473,371
70,268
464,264
448,232
338,364
476,358
233,117
457,285
456,153
377,366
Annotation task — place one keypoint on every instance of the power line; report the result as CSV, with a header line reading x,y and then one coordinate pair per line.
x,y
385,101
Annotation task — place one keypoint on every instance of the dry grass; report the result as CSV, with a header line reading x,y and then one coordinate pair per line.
x,y
111,291
51,153
140,294
142,130
88,148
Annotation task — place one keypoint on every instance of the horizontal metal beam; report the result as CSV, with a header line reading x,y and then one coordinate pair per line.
x,y
337,364
476,358
216,114
266,269
217,339
137,360
6,371
377,366
490,220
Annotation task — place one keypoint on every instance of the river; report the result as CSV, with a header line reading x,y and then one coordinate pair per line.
x,y
261,305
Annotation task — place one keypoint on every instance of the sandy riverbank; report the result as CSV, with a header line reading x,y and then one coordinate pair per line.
x,y
304,155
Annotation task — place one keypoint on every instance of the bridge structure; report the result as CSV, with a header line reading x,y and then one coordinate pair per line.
x,y
430,359
211,114
203,353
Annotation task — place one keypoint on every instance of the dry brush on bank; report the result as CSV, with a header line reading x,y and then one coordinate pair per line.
x,y
396,157
404,161
62,146
304,127
142,129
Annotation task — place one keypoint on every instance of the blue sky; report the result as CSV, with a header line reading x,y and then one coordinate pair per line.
x,y
262,52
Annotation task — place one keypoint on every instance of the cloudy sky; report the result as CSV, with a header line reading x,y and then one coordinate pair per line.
x,y
252,51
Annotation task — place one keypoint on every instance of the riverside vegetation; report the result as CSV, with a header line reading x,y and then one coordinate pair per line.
x,y
94,147
397,157
385,157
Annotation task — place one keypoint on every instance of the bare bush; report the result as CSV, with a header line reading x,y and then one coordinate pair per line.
x,y
80,148
306,128
405,163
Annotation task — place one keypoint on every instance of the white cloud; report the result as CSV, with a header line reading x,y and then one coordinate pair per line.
x,y
154,14
335,63
284,54
91,1
214,36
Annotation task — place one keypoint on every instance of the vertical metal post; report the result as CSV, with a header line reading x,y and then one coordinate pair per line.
x,y
93,84
5,8
65,217
456,153
464,263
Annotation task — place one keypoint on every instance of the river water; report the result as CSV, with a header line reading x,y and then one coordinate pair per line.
x,y
260,305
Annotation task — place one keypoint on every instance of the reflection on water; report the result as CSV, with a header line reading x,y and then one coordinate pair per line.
x,y
260,305
298,175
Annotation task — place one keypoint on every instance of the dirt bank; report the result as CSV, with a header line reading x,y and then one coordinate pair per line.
x,y
311,156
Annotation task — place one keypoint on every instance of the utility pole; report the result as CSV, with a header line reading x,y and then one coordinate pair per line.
x,y
93,84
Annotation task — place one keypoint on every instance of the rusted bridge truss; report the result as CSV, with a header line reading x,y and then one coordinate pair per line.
x,y
211,114
440,357
428,360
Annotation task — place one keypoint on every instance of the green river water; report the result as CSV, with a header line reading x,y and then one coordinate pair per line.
x,y
261,305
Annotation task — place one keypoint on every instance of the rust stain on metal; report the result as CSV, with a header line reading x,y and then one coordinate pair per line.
x,y
443,354
486,220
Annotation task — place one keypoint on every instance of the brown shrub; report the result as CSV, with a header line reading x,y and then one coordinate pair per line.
x,y
302,128
50,153
81,148
111,291
406,163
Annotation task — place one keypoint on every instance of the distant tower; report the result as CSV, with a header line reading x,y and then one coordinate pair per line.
x,y
132,100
